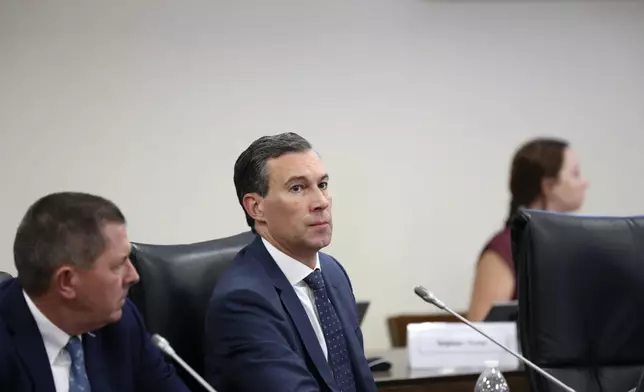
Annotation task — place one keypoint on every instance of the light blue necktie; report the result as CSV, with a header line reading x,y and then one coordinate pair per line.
x,y
78,381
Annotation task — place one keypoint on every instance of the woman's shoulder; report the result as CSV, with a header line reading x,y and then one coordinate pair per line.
x,y
501,237
500,243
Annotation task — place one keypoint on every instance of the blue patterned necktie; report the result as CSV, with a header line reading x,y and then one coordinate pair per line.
x,y
78,381
333,334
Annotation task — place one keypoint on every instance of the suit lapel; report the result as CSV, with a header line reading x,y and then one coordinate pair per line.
x,y
295,310
27,339
95,364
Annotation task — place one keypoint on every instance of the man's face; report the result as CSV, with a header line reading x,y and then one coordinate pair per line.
x,y
102,289
296,212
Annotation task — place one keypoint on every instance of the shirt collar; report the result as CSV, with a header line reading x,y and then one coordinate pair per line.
x,y
294,270
55,339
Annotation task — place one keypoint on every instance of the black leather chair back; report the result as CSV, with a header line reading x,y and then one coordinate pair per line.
x,y
581,298
176,282
4,276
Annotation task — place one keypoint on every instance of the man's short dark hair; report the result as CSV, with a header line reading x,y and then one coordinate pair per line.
x,y
250,169
64,228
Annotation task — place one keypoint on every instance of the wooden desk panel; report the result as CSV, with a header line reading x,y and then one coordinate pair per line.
x,y
400,378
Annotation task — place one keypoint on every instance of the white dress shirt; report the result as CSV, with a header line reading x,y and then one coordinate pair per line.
x,y
55,341
295,272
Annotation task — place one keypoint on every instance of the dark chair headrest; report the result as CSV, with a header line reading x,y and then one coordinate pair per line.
x,y
176,282
580,281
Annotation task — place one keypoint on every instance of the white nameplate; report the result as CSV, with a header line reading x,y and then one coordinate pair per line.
x,y
455,345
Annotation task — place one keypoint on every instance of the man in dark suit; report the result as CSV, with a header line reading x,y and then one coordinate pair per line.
x,y
66,324
283,317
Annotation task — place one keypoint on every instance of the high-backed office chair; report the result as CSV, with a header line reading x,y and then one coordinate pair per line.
x,y
4,276
176,282
581,298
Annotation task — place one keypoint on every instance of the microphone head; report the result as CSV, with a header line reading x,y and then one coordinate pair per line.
x,y
428,297
161,343
421,292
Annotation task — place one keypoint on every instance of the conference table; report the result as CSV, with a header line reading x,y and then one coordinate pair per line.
x,y
400,378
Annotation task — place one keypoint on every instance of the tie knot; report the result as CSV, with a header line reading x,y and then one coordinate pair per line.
x,y
315,280
74,346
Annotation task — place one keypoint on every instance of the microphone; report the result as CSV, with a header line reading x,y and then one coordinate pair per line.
x,y
429,297
163,345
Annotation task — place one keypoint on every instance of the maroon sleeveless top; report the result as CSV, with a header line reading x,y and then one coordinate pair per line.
x,y
500,244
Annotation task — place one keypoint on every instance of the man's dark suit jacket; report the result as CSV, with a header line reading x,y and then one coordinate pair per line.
x,y
259,338
119,357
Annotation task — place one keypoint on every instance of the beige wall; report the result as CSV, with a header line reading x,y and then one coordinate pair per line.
x,y
150,106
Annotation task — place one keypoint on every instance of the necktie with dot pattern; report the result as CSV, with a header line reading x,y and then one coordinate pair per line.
x,y
338,354
78,381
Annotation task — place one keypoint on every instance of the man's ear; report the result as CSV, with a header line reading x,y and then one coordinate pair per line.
x,y
64,281
254,206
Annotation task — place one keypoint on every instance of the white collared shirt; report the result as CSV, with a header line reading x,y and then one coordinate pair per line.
x,y
55,341
295,272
